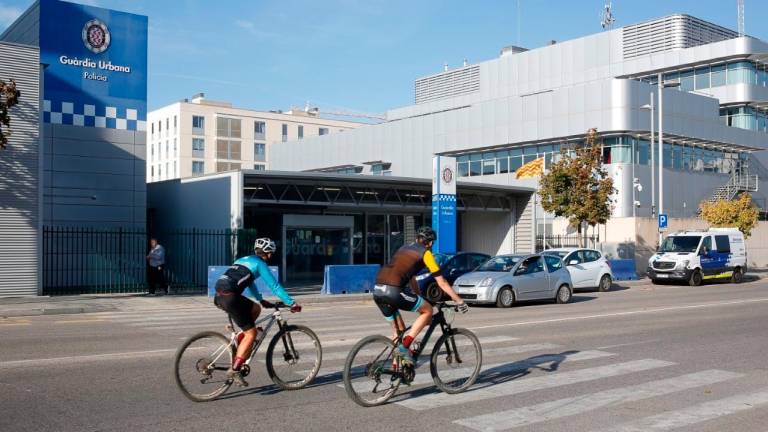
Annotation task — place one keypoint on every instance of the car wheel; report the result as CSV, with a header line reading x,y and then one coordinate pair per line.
x,y
696,278
563,295
737,276
433,293
505,298
605,283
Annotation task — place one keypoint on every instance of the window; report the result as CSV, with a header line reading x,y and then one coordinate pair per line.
x,y
159,126
227,166
151,151
166,151
530,266
723,243
167,170
152,172
167,128
742,72
553,263
159,171
259,130
717,77
175,123
590,255
152,127
702,78
575,256
198,144
198,125
462,164
174,146
198,167
285,132
174,169
259,152
706,244
227,149
301,131
259,167
228,127
686,81
475,164
502,162
476,260
515,159
323,131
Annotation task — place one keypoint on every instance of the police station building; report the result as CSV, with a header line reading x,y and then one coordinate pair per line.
x,y
76,155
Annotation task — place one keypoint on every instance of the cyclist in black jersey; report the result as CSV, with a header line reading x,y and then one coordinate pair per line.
x,y
392,295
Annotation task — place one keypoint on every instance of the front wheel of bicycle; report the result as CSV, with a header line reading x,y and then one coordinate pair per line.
x,y
369,375
201,364
293,357
456,360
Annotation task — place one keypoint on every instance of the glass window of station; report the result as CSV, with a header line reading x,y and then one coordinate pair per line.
x,y
615,149
716,75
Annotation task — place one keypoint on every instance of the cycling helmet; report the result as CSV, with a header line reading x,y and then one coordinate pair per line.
x,y
426,233
264,244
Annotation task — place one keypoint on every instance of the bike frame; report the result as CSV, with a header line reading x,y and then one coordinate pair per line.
x,y
274,317
437,319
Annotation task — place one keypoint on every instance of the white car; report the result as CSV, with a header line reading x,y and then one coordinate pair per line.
x,y
588,267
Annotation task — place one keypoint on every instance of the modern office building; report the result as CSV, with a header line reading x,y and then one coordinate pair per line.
x,y
77,144
497,115
199,136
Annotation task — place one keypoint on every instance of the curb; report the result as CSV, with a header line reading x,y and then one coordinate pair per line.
x,y
56,311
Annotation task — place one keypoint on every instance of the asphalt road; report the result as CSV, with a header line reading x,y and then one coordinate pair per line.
x,y
640,359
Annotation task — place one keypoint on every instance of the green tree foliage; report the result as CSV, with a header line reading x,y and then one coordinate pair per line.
x,y
577,186
9,96
739,213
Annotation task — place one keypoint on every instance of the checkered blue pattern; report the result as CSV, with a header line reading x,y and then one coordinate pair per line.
x,y
70,113
444,198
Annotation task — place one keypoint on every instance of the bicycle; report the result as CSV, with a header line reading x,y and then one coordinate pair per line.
x,y
204,358
373,361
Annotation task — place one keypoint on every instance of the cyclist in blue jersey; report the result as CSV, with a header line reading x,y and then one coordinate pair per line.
x,y
244,312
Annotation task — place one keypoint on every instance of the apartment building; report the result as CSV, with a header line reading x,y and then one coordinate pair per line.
x,y
198,136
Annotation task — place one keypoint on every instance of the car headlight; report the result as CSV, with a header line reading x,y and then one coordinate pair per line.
x,y
421,277
486,282
685,263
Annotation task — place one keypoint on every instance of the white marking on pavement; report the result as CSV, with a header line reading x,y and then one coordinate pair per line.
x,y
492,390
625,313
571,406
517,349
695,414
77,359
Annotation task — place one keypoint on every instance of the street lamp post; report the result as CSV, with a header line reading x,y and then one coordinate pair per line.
x,y
662,85
653,154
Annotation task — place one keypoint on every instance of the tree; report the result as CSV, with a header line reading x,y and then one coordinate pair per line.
x,y
578,187
739,213
9,96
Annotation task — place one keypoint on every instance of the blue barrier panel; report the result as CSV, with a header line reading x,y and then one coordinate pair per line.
x,y
215,271
623,269
349,279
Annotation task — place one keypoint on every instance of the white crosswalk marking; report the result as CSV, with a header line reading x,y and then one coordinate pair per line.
x,y
509,388
515,349
694,414
571,406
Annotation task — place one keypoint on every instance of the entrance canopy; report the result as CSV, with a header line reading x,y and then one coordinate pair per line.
x,y
367,191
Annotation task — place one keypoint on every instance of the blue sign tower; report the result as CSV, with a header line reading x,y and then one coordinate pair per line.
x,y
444,204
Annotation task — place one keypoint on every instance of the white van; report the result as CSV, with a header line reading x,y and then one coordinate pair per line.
x,y
696,256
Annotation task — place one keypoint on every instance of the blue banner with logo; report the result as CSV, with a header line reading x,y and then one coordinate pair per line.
x,y
444,204
96,66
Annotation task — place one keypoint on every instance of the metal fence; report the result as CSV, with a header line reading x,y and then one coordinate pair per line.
x,y
560,241
80,260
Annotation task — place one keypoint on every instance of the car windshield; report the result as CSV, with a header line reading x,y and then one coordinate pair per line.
x,y
499,264
680,244
558,253
442,258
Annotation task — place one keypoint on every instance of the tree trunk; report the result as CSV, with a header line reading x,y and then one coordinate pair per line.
x,y
581,237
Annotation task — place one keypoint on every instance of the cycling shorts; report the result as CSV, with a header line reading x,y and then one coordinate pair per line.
x,y
390,299
239,308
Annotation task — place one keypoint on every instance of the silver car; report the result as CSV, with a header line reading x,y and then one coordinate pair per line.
x,y
505,279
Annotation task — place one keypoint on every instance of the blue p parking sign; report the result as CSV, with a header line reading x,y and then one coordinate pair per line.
x,y
662,221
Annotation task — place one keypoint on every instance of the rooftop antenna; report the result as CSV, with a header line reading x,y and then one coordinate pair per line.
x,y
740,4
608,18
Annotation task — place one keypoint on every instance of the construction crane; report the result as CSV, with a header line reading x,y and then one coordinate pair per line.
x,y
353,114
740,5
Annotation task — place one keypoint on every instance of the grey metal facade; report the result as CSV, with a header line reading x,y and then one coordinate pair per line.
x,y
20,177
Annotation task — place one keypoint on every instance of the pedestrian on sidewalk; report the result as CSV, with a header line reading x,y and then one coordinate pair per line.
x,y
156,261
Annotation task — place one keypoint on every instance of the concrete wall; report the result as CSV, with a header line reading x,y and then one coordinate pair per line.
x,y
94,176
487,232
20,176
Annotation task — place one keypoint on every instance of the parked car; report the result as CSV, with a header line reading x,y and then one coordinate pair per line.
x,y
452,267
696,256
506,279
588,267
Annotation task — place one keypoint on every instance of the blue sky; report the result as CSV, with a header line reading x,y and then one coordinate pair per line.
x,y
360,55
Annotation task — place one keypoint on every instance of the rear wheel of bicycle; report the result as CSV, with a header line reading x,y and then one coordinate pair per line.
x,y
368,377
293,357
201,364
456,360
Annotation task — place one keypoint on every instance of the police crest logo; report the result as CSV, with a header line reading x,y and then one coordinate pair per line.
x,y
96,36
447,175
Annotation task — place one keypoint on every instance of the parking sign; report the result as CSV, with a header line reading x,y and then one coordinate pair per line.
x,y
662,221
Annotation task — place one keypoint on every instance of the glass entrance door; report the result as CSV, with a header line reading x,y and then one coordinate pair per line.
x,y
309,250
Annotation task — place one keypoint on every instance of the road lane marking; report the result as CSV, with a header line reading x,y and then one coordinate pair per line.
x,y
492,390
84,358
352,339
81,321
516,349
625,313
695,414
503,420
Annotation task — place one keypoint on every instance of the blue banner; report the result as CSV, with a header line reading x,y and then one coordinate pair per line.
x,y
96,66
444,223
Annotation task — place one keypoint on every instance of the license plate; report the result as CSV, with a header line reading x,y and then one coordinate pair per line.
x,y
662,275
